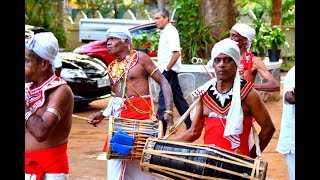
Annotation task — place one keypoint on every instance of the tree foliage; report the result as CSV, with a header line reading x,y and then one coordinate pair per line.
x,y
262,9
195,37
43,13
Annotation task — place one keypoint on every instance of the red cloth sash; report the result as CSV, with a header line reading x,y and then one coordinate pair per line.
x,y
35,97
246,65
214,130
52,160
214,126
117,69
137,108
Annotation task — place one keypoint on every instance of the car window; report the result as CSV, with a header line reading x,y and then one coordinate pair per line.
x,y
150,30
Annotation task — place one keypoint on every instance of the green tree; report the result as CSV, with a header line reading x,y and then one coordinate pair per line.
x,y
263,9
45,14
195,36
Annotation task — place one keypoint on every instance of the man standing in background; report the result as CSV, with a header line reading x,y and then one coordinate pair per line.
x,y
169,56
286,143
251,65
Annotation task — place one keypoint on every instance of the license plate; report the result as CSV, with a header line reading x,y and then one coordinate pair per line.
x,y
102,83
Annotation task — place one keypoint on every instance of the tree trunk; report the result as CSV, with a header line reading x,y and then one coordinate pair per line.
x,y
62,10
276,12
220,14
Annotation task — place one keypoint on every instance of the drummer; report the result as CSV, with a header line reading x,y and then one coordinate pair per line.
x,y
129,74
228,106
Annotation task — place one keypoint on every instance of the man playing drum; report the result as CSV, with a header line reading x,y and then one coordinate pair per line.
x,y
228,106
48,111
130,84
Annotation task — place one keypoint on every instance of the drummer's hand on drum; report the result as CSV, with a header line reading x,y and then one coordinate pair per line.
x,y
95,118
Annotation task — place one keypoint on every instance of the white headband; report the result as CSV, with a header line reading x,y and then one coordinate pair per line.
x,y
119,32
45,45
245,31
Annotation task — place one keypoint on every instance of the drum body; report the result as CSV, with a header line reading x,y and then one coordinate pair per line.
x,y
140,130
178,160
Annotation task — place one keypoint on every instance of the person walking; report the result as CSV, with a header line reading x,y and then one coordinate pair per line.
x,y
169,60
129,74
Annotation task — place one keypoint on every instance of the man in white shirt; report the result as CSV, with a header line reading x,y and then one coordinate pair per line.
x,y
286,142
169,60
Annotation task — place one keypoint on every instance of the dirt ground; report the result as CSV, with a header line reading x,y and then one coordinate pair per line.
x,y
86,143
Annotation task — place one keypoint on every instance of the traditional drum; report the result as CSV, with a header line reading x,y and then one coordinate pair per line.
x,y
179,160
140,130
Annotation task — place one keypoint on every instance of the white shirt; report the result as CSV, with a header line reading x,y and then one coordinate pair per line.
x,y
286,142
169,41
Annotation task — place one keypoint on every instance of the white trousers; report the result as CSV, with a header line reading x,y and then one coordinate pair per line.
x,y
290,158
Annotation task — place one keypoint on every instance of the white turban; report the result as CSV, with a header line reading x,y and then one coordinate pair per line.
x,y
119,32
45,45
234,124
245,31
219,47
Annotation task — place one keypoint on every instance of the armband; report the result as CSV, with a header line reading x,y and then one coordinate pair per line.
x,y
153,71
55,112
27,116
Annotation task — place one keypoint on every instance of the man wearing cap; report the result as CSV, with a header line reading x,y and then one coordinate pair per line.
x,y
48,111
250,65
129,74
228,105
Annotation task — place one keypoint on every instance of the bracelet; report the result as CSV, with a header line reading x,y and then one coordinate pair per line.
x,y
169,112
153,71
27,116
55,112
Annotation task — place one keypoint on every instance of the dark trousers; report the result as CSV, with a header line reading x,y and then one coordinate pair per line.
x,y
178,99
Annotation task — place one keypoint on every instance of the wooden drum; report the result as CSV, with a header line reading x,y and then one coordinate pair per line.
x,y
178,160
140,130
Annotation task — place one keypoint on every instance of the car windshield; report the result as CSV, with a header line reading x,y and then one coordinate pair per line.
x,y
150,30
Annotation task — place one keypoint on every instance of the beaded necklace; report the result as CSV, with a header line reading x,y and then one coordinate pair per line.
x,y
118,70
